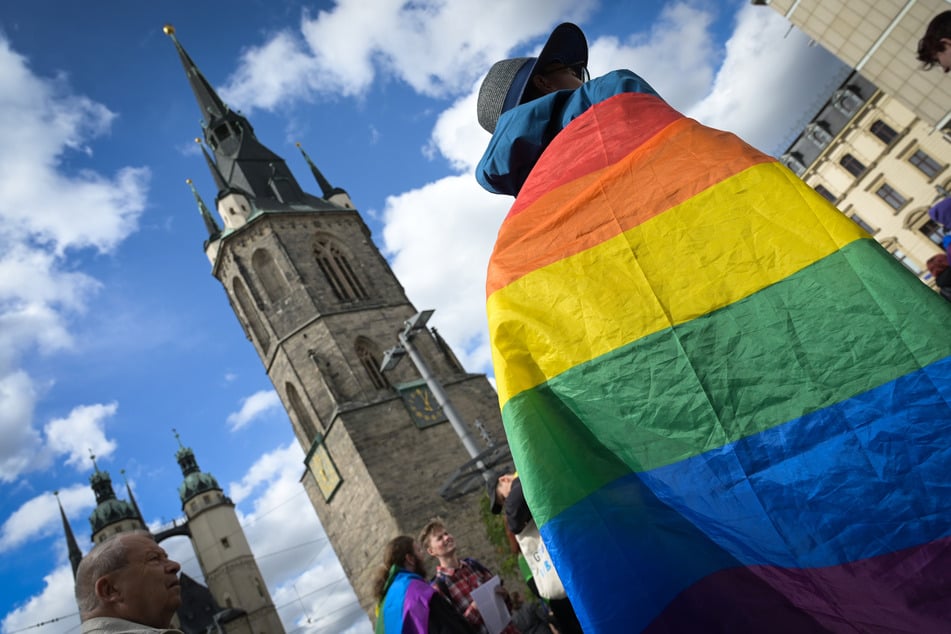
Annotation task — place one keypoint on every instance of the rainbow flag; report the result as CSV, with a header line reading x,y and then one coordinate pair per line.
x,y
405,606
725,401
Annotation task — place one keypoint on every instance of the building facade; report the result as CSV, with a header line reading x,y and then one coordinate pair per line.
x,y
880,165
879,39
320,305
236,599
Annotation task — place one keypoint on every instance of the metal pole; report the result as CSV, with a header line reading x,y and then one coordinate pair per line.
x,y
454,419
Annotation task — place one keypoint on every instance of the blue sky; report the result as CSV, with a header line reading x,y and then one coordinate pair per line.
x,y
112,330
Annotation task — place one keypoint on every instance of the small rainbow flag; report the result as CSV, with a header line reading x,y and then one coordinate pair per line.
x,y
727,404
405,607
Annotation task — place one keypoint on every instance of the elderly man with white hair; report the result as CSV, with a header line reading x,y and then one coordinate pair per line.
x,y
128,585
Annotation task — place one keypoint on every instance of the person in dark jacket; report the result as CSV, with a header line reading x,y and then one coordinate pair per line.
x,y
407,604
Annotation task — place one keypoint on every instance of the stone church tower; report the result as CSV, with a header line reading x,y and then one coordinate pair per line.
x,y
320,305
223,552
236,596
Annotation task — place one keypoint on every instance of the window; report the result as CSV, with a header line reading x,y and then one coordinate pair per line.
x,y
846,101
251,313
857,220
888,193
793,161
925,163
297,406
371,364
907,262
338,271
825,193
271,278
852,165
819,133
932,230
225,543
884,132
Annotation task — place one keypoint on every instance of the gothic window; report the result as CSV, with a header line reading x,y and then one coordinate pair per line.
x,y
883,131
825,193
251,313
852,165
371,364
925,163
300,412
338,270
270,277
891,196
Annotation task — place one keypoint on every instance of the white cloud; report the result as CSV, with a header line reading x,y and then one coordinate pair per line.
x,y
253,407
54,606
39,517
21,442
81,432
303,574
677,56
763,101
438,47
42,124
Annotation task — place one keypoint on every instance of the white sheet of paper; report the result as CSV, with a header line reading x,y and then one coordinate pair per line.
x,y
491,606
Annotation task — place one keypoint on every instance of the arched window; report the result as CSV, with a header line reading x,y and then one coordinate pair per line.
x,y
338,271
371,363
250,313
271,278
300,412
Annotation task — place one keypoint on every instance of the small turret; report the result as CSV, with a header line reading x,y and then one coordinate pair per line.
x,y
331,194
110,512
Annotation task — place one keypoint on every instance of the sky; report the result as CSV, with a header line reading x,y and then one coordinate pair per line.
x,y
113,333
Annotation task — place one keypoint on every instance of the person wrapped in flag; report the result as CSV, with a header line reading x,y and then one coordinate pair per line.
x,y
762,445
407,603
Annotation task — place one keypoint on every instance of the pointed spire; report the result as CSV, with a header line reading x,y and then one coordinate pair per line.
x,y
75,555
128,489
324,184
208,101
210,224
220,182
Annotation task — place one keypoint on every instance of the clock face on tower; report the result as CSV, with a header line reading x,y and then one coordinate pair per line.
x,y
422,405
324,470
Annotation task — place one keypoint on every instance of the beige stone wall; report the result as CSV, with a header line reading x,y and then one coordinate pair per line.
x,y
879,38
897,229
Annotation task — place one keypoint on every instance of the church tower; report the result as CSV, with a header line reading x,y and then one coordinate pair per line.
x,y
111,514
222,550
320,305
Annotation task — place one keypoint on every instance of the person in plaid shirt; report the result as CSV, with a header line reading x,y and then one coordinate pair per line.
x,y
456,577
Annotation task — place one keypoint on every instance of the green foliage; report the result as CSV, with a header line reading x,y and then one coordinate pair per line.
x,y
495,529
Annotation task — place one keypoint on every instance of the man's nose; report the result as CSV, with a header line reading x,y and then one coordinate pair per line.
x,y
173,565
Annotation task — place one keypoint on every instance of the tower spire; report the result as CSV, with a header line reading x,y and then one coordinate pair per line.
x,y
330,193
128,489
213,168
242,163
210,104
210,224
75,555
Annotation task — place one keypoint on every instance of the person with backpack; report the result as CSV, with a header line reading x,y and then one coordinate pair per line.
x,y
456,577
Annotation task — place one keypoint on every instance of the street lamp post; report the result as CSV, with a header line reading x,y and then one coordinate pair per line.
x,y
392,356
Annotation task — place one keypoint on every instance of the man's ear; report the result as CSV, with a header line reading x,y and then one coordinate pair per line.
x,y
945,43
106,592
